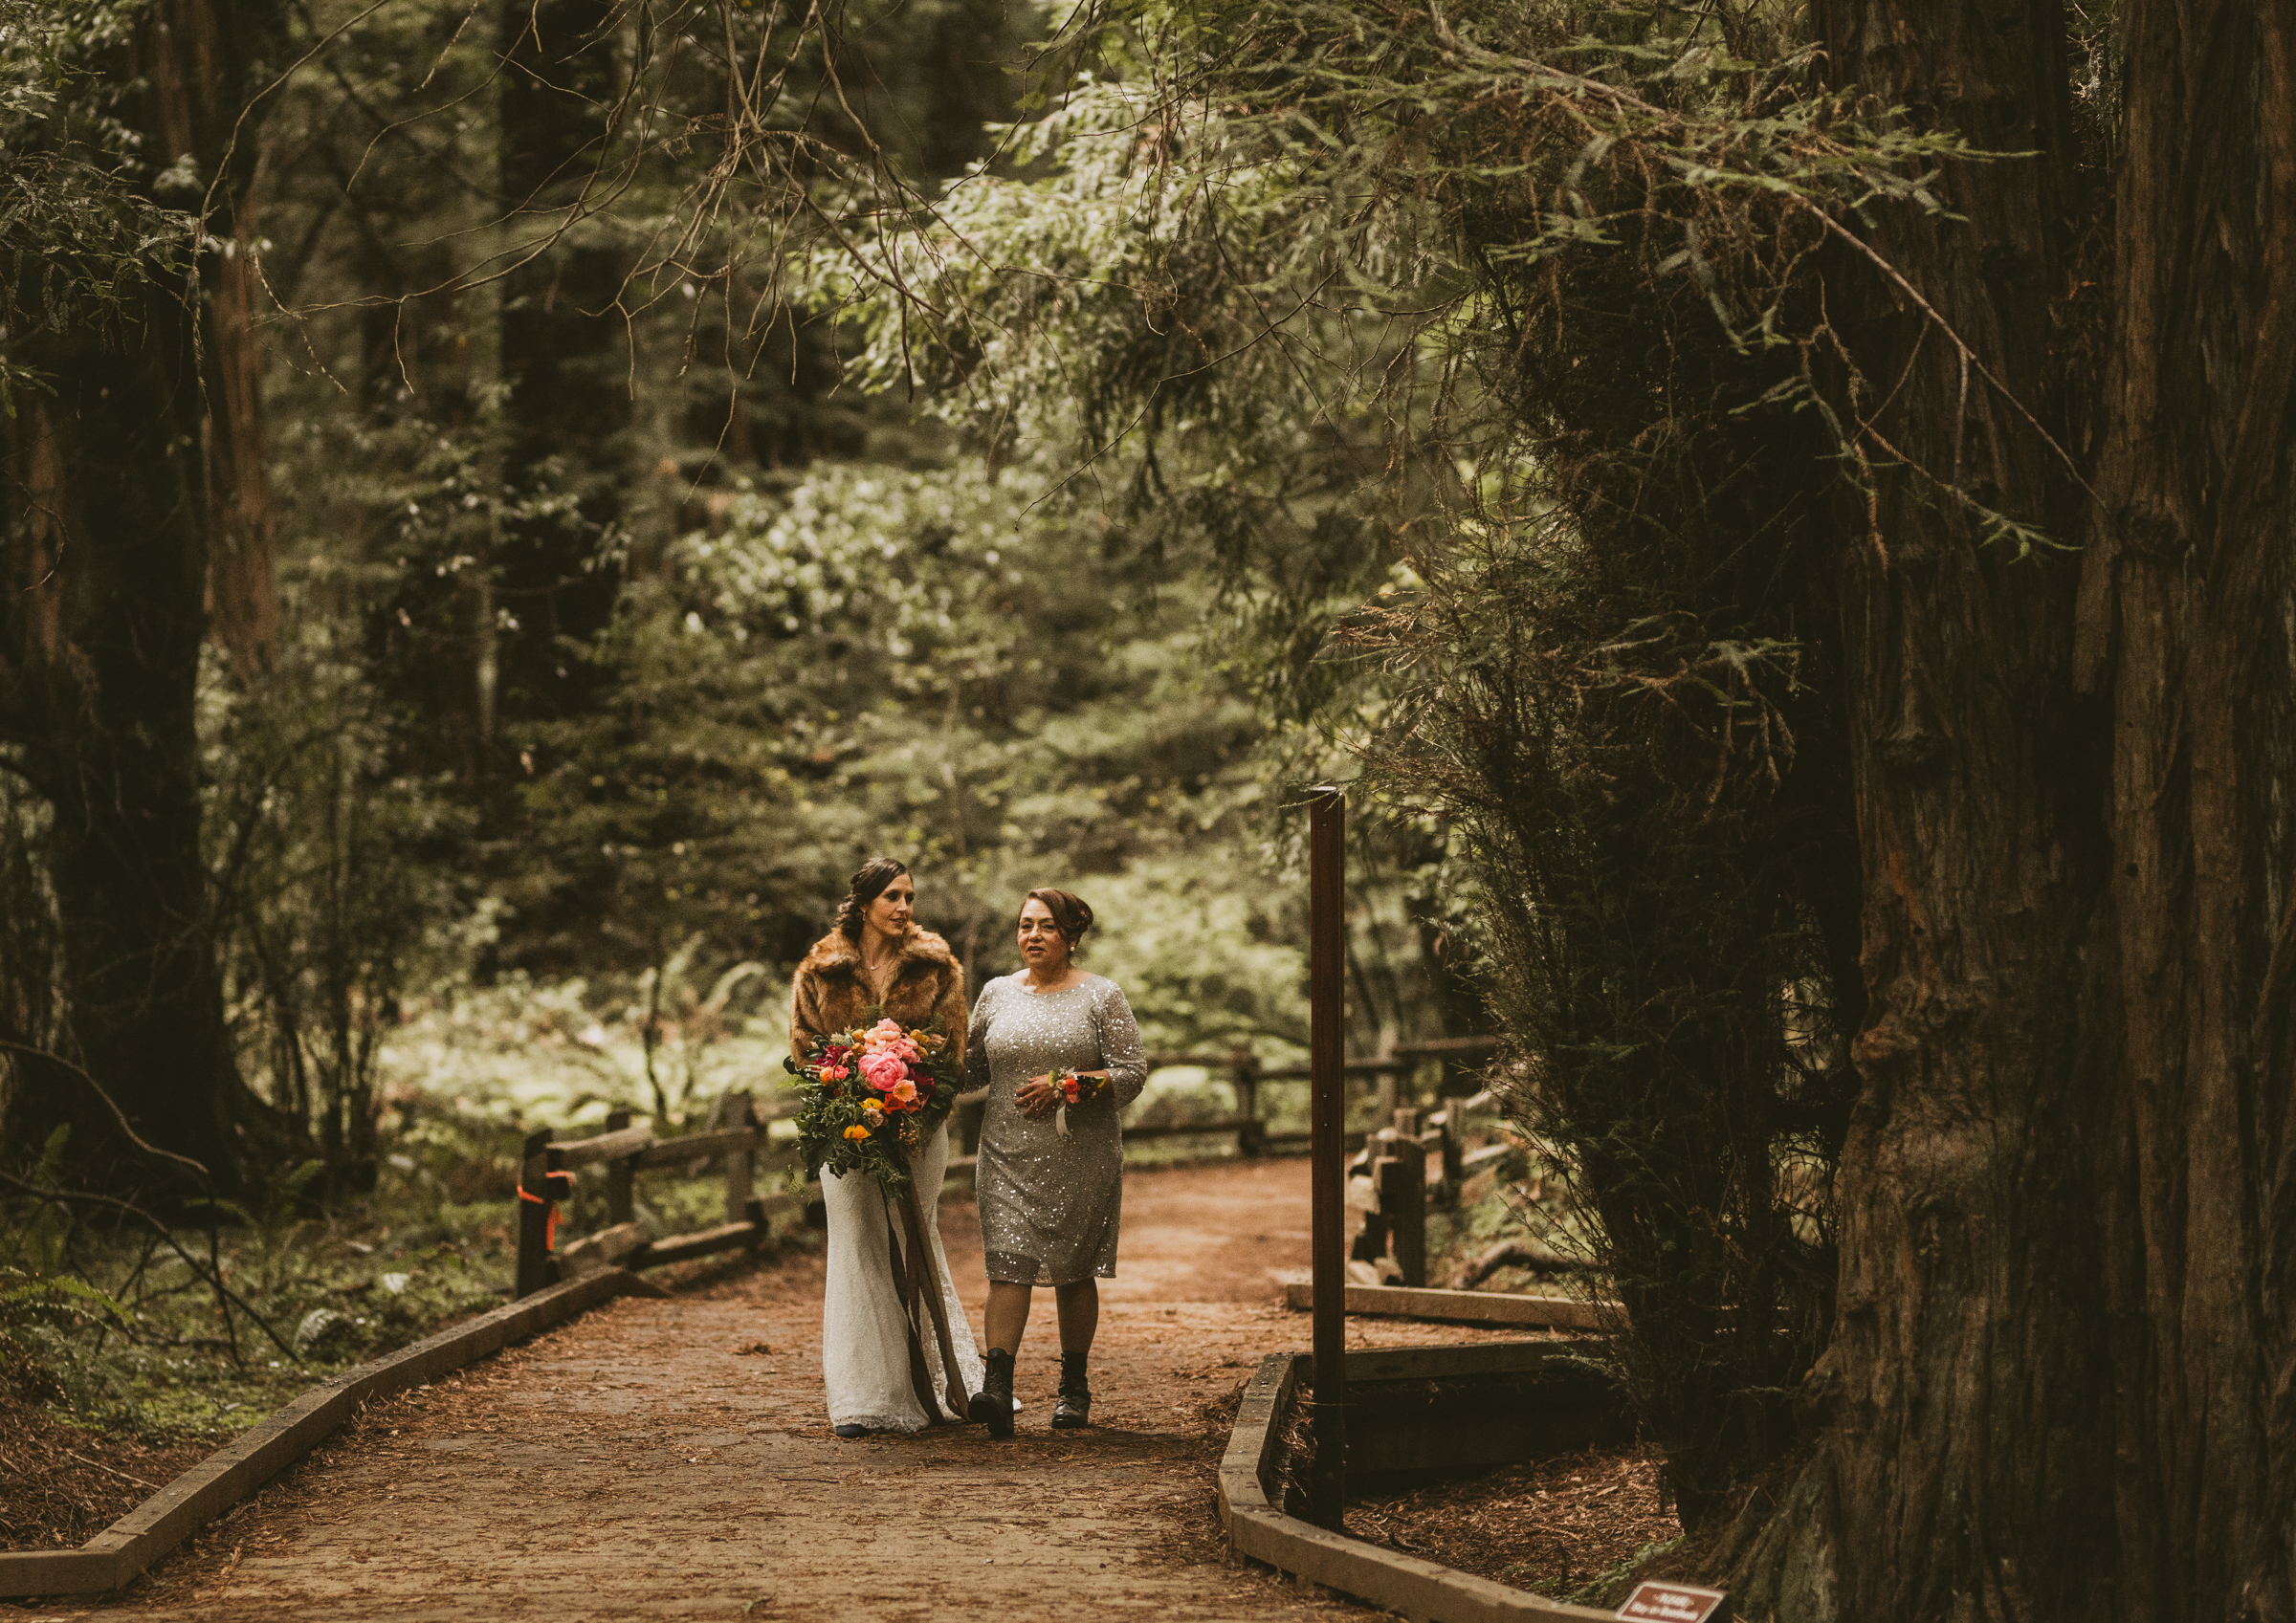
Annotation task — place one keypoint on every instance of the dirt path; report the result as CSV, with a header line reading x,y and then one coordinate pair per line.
x,y
672,1460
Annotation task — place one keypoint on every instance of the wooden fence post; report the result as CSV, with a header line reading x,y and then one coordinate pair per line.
x,y
1403,1199
1441,1139
1252,1136
536,1187
1327,1050
621,1177
742,1206
1370,1243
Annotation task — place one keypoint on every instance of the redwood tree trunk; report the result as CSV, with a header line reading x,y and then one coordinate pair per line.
x,y
1962,1387
243,603
107,648
141,471
2186,620
564,356
2060,1384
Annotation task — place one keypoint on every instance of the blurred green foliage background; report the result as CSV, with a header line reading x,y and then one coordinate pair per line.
x,y
586,586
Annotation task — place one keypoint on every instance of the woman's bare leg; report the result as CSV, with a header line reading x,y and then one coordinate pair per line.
x,y
1007,1316
1078,1303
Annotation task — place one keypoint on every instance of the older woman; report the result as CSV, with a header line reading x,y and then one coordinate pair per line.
x,y
1050,1179
876,963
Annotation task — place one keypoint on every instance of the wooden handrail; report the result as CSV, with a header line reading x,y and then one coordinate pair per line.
x,y
1370,1068
700,1146
1437,1047
1184,1130
1210,1061
1402,1057
605,1146
625,1151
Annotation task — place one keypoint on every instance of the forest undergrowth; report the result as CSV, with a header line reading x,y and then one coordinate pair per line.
x,y
133,1344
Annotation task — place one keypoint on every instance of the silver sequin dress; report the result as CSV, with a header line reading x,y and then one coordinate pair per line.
x,y
1049,1204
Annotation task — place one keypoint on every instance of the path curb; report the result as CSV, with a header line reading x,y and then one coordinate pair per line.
x,y
128,1546
1422,1591
1461,1307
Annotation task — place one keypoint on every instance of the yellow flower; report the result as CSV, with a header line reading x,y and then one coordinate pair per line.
x,y
856,1132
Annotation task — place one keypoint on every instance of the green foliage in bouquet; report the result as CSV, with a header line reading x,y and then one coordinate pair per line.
x,y
874,1097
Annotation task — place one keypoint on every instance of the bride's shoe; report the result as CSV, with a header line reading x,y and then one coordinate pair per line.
x,y
1076,1405
993,1402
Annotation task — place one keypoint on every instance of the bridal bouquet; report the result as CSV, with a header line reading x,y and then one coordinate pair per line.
x,y
871,1097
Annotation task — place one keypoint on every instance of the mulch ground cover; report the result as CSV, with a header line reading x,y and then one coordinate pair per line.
x,y
60,1485
712,1404
1548,1525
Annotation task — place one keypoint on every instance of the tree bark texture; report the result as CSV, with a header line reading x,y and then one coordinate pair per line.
x,y
565,350
2184,635
125,487
113,534
199,61
2062,1380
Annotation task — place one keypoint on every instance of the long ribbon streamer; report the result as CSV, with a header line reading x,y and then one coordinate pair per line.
x,y
952,1377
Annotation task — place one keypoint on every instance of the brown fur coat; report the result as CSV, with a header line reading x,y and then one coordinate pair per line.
x,y
924,983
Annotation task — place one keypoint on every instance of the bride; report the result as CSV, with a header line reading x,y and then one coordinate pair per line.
x,y
881,1373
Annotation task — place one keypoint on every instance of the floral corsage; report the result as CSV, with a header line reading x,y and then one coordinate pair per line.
x,y
1071,1089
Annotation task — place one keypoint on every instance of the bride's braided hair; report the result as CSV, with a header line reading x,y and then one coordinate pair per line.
x,y
869,882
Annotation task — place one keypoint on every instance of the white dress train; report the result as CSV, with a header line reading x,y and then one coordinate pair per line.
x,y
864,1332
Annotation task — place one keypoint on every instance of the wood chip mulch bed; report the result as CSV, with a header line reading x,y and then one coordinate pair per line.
x,y
60,1485
1546,1525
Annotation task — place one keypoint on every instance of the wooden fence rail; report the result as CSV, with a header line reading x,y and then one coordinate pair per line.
x,y
1247,1073
738,1135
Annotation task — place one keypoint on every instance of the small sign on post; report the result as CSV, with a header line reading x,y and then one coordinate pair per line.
x,y
1654,1602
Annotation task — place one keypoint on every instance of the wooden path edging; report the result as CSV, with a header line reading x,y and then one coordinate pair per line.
x,y
1422,1591
1457,1307
115,1555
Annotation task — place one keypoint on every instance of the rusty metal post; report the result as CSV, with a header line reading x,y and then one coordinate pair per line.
x,y
1327,1060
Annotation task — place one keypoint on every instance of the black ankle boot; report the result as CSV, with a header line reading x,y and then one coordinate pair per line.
x,y
993,1402
1076,1405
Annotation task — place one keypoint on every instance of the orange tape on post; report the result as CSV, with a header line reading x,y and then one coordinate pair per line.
x,y
550,1230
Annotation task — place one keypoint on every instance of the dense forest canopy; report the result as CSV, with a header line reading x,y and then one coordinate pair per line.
x,y
1778,509
572,607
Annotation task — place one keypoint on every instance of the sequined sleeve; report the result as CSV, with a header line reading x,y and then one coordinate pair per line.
x,y
976,1044
1120,1050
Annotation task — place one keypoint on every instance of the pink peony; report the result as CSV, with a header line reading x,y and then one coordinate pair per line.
x,y
887,1038
884,1071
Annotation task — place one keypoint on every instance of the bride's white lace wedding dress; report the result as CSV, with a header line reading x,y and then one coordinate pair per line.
x,y
864,1332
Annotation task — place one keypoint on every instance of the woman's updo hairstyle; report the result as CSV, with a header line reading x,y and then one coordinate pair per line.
x,y
1071,915
870,879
